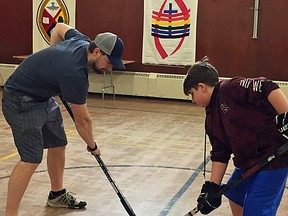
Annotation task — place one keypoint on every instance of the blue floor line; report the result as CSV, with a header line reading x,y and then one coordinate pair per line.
x,y
172,202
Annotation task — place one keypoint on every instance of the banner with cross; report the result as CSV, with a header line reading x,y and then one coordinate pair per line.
x,y
169,36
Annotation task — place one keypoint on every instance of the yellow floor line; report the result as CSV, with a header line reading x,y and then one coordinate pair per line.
x,y
183,150
9,156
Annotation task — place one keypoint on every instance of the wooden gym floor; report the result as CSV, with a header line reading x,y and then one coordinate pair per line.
x,y
152,148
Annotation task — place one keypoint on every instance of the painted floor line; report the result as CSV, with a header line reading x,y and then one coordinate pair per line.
x,y
172,202
117,166
9,156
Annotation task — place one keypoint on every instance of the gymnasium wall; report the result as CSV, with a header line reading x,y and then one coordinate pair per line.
x,y
224,33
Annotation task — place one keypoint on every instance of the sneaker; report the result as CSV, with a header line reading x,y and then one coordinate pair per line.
x,y
66,200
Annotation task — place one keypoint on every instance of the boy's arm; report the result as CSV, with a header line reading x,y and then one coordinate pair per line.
x,y
278,100
280,104
58,33
218,171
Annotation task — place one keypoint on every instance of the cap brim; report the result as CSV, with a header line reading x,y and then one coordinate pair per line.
x,y
117,63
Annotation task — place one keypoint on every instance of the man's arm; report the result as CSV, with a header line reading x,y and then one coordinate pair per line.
x,y
58,33
83,124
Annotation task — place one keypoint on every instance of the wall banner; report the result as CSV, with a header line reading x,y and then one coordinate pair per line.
x,y
46,13
169,34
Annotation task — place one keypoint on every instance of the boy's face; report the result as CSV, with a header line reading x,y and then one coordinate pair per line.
x,y
200,96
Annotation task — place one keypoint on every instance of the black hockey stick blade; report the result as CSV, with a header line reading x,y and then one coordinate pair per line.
x,y
282,149
123,200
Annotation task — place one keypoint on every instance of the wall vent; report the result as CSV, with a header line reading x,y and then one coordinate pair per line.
x,y
137,74
170,76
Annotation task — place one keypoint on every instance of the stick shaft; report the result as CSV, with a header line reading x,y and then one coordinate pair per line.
x,y
123,200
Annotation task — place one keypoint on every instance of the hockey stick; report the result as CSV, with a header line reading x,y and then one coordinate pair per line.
x,y
123,200
282,149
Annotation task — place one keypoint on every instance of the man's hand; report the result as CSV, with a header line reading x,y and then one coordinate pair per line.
x,y
94,151
282,124
207,201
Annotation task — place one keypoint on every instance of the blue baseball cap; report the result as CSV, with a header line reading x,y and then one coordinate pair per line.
x,y
113,46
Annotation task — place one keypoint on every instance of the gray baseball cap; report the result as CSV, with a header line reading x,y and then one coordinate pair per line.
x,y
113,46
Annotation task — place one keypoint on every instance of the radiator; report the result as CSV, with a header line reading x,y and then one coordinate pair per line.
x,y
145,84
140,84
5,71
169,86
157,85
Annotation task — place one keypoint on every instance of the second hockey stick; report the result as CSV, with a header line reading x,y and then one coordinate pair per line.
x,y
123,200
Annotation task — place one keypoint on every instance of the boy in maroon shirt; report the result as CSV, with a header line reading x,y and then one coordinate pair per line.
x,y
240,120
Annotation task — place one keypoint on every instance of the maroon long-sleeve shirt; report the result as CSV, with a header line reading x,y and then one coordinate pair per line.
x,y
241,121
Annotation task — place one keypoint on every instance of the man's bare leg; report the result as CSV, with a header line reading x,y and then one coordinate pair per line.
x,y
55,166
17,185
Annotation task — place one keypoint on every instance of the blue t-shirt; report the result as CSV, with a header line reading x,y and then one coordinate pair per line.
x,y
60,69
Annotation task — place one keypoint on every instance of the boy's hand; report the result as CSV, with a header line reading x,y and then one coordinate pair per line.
x,y
282,124
207,201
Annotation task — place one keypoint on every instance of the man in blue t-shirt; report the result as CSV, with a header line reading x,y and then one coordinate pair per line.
x,y
30,108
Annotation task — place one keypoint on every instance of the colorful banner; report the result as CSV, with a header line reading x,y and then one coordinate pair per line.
x,y
169,36
46,13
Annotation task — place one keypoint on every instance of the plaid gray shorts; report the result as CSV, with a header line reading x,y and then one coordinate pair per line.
x,y
35,125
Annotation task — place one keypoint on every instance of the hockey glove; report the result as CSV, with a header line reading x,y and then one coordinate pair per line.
x,y
282,124
207,201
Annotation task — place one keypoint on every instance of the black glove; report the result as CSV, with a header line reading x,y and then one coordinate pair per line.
x,y
282,124
207,201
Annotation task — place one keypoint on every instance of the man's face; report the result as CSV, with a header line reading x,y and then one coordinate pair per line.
x,y
101,63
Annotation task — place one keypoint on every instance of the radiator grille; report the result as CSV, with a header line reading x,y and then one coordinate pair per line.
x,y
170,76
